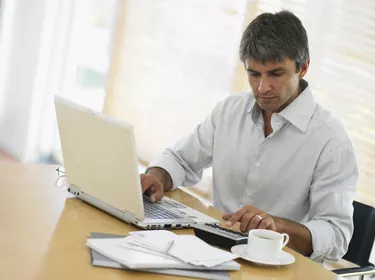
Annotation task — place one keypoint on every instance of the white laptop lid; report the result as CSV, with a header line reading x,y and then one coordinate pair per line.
x,y
99,155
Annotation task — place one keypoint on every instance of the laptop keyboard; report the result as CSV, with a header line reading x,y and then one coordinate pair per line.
x,y
155,211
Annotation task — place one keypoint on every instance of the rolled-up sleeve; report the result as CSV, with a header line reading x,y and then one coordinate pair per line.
x,y
331,199
186,160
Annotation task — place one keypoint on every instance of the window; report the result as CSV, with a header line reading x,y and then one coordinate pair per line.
x,y
82,76
173,67
89,52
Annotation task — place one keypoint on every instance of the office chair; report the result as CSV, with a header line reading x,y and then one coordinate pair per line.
x,y
360,246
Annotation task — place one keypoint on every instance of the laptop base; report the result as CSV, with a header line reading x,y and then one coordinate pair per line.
x,y
130,218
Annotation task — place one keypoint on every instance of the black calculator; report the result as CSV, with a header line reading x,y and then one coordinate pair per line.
x,y
219,236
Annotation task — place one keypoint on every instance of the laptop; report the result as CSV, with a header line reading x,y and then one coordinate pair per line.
x,y
101,167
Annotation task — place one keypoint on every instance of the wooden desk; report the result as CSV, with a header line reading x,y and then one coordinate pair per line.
x,y
43,232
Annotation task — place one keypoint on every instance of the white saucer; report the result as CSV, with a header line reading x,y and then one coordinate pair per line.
x,y
284,258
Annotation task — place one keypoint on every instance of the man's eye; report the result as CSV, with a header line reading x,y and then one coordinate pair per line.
x,y
277,74
252,74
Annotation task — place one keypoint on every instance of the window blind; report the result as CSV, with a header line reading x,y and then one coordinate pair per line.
x,y
342,69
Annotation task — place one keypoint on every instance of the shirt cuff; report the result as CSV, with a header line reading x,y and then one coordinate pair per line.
x,y
323,239
170,165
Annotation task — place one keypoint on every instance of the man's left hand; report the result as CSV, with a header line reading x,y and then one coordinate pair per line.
x,y
250,217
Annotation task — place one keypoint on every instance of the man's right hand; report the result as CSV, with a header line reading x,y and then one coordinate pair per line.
x,y
155,182
152,186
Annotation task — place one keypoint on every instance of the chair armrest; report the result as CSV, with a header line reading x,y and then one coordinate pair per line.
x,y
355,271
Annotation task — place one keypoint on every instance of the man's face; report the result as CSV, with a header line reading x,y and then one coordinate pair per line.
x,y
274,85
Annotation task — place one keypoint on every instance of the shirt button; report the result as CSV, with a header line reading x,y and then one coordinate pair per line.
x,y
257,164
241,205
249,193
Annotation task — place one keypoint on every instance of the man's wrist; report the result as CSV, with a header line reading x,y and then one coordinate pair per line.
x,y
279,224
300,236
163,176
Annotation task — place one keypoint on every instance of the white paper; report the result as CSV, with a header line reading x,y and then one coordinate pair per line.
x,y
133,257
193,250
157,240
187,248
136,247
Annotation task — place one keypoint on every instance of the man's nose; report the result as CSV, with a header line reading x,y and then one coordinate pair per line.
x,y
264,85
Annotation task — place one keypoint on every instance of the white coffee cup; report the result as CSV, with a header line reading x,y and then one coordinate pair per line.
x,y
266,245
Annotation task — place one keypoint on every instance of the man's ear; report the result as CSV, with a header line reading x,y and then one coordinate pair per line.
x,y
304,69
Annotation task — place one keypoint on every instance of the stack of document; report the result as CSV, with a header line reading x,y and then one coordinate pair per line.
x,y
158,249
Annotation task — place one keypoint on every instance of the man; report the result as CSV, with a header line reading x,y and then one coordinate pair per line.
x,y
280,161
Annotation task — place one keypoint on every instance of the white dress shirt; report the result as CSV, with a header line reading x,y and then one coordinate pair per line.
x,y
305,170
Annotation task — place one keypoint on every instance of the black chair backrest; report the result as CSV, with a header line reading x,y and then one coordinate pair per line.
x,y
362,241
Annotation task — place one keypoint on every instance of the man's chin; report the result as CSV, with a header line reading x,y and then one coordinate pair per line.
x,y
267,107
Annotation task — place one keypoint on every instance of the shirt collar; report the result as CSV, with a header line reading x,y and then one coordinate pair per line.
x,y
298,113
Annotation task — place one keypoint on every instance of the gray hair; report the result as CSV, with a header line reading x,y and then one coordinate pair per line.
x,y
274,37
